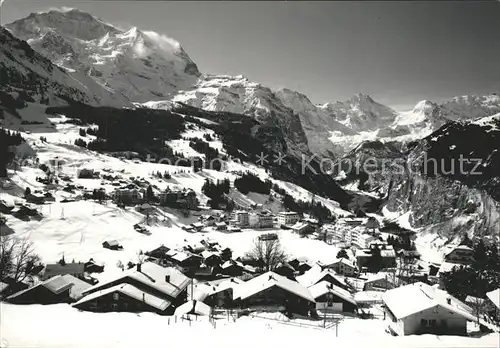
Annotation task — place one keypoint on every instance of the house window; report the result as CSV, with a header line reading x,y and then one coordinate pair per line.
x,y
114,306
432,322
116,297
423,322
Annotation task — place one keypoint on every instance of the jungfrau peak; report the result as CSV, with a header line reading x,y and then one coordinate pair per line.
x,y
142,65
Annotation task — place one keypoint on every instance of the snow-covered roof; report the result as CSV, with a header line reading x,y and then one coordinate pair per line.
x,y
194,307
68,268
315,274
343,261
268,280
325,287
151,275
287,213
380,276
494,297
131,291
299,225
58,284
413,298
448,266
370,296
206,254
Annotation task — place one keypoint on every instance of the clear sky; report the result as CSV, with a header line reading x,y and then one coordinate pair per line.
x,y
398,52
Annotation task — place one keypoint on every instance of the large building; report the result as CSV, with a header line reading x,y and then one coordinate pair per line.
x,y
266,219
288,218
182,199
419,308
147,287
127,196
242,217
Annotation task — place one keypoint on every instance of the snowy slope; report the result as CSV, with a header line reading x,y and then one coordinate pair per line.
x,y
142,65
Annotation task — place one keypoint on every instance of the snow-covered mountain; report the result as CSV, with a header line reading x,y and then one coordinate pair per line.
x,y
29,74
360,113
155,71
142,65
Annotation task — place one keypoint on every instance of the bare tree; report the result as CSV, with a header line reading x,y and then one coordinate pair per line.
x,y
17,258
268,253
477,304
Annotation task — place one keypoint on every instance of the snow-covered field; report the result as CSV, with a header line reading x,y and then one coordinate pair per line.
x,y
64,326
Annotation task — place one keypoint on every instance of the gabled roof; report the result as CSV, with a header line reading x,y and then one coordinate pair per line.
x,y
268,280
131,291
413,298
194,307
153,276
324,287
494,297
206,254
315,275
343,261
68,268
113,242
59,284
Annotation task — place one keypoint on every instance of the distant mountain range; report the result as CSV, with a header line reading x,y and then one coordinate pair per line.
x,y
154,70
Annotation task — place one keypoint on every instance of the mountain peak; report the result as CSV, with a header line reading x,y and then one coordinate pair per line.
x,y
72,23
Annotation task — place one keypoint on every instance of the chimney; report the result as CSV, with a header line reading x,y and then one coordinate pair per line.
x,y
139,268
448,300
167,278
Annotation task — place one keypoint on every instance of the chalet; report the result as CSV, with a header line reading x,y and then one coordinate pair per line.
x,y
379,282
159,253
265,219
288,218
208,220
419,308
232,268
185,261
219,293
194,308
271,289
285,270
211,259
91,267
112,245
462,254
57,289
197,226
331,298
221,226
62,268
344,266
147,287
268,236
316,274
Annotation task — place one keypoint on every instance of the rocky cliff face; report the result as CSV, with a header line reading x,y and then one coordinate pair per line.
x,y
427,179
